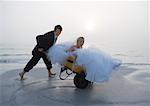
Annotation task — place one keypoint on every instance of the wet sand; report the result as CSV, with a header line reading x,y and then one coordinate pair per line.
x,y
129,86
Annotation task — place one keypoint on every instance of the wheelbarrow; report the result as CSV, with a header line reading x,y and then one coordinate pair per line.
x,y
79,79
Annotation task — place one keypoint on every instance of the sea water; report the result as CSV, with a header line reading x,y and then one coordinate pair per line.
x,y
14,56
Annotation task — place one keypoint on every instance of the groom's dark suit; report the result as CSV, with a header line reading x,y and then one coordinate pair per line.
x,y
43,41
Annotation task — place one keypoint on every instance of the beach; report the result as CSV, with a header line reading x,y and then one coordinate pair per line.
x,y
127,86
119,28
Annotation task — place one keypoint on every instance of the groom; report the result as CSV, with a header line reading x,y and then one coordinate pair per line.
x,y
44,42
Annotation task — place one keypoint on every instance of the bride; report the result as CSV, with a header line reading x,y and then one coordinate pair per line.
x,y
98,65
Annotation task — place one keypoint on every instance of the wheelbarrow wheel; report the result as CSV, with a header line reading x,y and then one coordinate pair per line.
x,y
80,81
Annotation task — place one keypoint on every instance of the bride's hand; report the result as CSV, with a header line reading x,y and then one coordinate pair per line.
x,y
71,49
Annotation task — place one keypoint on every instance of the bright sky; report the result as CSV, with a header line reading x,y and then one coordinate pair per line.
x,y
116,24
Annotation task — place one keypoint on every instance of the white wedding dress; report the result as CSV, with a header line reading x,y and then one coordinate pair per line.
x,y
98,64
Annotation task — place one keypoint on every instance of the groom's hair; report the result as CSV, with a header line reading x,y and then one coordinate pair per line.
x,y
58,27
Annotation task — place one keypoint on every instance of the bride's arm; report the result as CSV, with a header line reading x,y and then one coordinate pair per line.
x,y
71,49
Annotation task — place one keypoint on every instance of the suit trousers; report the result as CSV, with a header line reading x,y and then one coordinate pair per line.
x,y
36,56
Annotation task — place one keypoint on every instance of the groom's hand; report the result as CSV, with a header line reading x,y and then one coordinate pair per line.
x,y
40,49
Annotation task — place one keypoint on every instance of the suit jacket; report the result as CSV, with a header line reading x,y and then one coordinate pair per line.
x,y
45,41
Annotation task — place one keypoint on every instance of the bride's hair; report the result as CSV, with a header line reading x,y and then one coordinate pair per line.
x,y
80,38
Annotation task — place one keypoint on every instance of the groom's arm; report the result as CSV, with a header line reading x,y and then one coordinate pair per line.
x,y
39,40
49,40
45,41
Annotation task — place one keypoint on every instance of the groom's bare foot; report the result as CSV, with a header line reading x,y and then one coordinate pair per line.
x,y
50,74
21,76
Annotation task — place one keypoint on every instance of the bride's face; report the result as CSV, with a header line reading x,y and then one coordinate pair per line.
x,y
80,42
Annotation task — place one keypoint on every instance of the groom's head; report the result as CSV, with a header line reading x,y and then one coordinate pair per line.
x,y
57,30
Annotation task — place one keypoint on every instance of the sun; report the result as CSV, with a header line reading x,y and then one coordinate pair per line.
x,y
89,26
